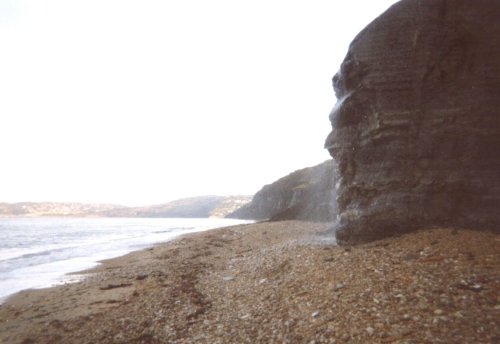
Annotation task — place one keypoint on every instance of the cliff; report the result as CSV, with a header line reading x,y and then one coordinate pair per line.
x,y
306,194
416,128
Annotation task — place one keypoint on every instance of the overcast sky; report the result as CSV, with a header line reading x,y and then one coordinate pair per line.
x,y
141,102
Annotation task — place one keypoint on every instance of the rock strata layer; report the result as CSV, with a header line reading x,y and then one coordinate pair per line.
x,y
416,128
306,194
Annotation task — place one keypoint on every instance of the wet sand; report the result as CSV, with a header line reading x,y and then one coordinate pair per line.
x,y
281,282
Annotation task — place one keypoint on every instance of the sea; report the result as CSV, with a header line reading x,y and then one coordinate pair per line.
x,y
41,252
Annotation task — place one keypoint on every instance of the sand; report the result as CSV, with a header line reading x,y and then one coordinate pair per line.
x,y
281,282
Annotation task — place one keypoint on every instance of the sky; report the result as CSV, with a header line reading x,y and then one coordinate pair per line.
x,y
142,102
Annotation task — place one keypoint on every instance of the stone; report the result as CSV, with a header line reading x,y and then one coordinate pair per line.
x,y
141,276
339,286
416,128
476,287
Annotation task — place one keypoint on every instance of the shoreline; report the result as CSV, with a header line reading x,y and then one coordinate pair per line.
x,y
274,282
40,267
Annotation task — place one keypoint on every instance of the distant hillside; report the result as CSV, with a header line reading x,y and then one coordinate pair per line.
x,y
307,194
204,206
53,209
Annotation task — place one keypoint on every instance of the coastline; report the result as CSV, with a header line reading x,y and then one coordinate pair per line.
x,y
275,282
58,247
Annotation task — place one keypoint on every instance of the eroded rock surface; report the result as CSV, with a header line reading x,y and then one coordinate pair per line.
x,y
306,194
416,129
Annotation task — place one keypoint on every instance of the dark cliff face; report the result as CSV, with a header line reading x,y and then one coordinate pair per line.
x,y
306,194
416,128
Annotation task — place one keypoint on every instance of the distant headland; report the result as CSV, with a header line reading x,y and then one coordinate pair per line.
x,y
203,206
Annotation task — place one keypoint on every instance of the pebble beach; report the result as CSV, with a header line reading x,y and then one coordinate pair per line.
x,y
275,282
